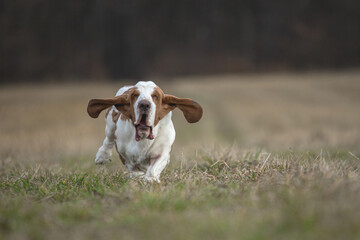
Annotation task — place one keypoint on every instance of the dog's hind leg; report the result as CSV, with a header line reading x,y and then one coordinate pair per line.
x,y
105,151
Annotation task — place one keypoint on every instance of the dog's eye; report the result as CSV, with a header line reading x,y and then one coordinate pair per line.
x,y
135,95
155,97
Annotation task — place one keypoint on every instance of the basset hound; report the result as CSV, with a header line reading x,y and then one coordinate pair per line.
x,y
139,124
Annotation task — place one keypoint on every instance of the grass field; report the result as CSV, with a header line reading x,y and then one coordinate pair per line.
x,y
276,156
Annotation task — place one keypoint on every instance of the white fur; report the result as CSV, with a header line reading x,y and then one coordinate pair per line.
x,y
145,158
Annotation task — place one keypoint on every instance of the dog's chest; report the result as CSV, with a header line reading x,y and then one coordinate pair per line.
x,y
133,153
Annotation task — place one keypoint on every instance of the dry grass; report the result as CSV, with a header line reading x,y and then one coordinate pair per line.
x,y
224,194
275,157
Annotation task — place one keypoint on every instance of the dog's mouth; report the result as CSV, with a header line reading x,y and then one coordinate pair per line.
x,y
143,130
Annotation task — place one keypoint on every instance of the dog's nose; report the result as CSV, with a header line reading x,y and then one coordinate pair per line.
x,y
144,105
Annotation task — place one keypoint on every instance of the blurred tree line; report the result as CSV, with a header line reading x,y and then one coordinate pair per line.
x,y
72,39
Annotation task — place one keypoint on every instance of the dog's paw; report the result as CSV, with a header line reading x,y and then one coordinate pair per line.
x,y
103,156
101,159
137,175
151,179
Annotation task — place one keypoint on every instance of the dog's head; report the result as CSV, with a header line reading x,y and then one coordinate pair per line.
x,y
145,104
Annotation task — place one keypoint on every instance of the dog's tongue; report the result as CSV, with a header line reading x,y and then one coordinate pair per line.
x,y
137,137
143,131
151,136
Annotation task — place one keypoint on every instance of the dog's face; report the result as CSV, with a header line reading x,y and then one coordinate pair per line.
x,y
145,104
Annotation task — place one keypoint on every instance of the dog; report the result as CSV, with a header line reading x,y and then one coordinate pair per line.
x,y
139,124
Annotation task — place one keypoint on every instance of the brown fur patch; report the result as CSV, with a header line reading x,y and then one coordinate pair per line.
x,y
127,111
122,102
123,117
115,116
161,111
192,111
165,103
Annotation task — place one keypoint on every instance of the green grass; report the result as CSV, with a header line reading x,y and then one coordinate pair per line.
x,y
224,194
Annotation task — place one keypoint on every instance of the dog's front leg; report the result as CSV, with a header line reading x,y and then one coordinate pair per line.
x,y
105,151
157,165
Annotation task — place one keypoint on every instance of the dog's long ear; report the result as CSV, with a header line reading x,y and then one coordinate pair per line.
x,y
121,102
192,110
96,106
